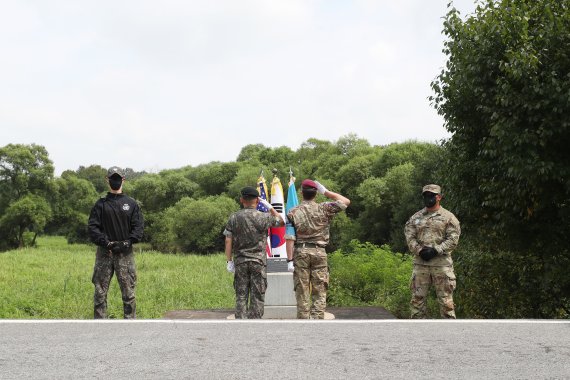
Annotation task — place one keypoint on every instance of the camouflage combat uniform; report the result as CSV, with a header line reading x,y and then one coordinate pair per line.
x,y
248,230
311,275
123,265
440,230
116,217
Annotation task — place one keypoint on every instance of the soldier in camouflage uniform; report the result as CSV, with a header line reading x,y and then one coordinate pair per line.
x,y
311,221
432,234
115,224
246,238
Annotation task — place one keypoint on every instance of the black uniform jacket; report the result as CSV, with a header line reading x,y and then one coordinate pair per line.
x,y
116,217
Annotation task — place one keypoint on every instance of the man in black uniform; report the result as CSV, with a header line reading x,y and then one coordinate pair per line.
x,y
115,223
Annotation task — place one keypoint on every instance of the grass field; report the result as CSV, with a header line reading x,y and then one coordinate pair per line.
x,y
54,281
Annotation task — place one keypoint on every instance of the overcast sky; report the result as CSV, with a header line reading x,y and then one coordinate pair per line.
x,y
162,84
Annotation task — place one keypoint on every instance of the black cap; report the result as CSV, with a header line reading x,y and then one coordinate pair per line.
x,y
249,192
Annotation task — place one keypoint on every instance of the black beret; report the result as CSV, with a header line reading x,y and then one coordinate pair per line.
x,y
249,192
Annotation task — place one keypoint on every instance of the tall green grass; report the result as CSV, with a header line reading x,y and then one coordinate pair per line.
x,y
54,281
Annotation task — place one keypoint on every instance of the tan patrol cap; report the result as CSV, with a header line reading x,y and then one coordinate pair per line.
x,y
432,189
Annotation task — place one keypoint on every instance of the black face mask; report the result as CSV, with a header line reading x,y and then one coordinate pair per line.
x,y
429,199
115,182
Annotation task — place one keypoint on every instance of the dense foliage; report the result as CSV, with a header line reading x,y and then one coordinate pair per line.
x,y
365,274
504,94
26,174
186,209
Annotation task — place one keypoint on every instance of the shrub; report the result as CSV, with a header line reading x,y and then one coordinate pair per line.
x,y
365,274
193,225
496,283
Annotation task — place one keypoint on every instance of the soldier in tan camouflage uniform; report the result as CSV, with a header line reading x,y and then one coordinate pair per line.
x,y
246,237
312,221
432,234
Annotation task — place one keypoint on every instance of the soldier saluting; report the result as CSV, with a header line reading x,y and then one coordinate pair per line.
x,y
311,221
432,234
246,238
115,224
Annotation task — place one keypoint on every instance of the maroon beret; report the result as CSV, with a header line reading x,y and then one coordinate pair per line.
x,y
309,183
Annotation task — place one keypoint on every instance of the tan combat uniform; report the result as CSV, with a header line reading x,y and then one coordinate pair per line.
x,y
440,230
311,276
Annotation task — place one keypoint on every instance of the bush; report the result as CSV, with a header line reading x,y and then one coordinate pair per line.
x,y
495,283
342,230
76,229
365,274
193,225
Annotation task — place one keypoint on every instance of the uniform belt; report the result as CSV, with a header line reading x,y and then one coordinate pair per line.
x,y
308,245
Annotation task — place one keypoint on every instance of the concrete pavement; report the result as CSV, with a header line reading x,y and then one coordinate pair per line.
x,y
359,312
340,349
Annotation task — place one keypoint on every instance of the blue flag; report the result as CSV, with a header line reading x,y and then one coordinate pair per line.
x,y
292,201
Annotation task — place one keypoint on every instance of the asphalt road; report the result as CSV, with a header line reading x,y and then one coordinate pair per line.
x,y
388,349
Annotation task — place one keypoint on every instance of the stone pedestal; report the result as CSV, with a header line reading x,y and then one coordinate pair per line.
x,y
280,312
280,302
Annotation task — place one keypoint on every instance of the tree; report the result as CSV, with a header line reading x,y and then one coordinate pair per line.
x,y
178,187
384,188
96,175
131,174
351,145
311,156
213,177
23,169
149,190
193,225
400,153
157,192
350,176
29,213
504,97
251,152
384,198
246,176
71,200
26,174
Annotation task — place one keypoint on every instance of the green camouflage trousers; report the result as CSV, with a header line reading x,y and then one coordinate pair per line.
x,y
311,276
250,282
123,265
443,280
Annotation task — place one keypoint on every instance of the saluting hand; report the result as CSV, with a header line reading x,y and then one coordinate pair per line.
x,y
265,203
320,188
